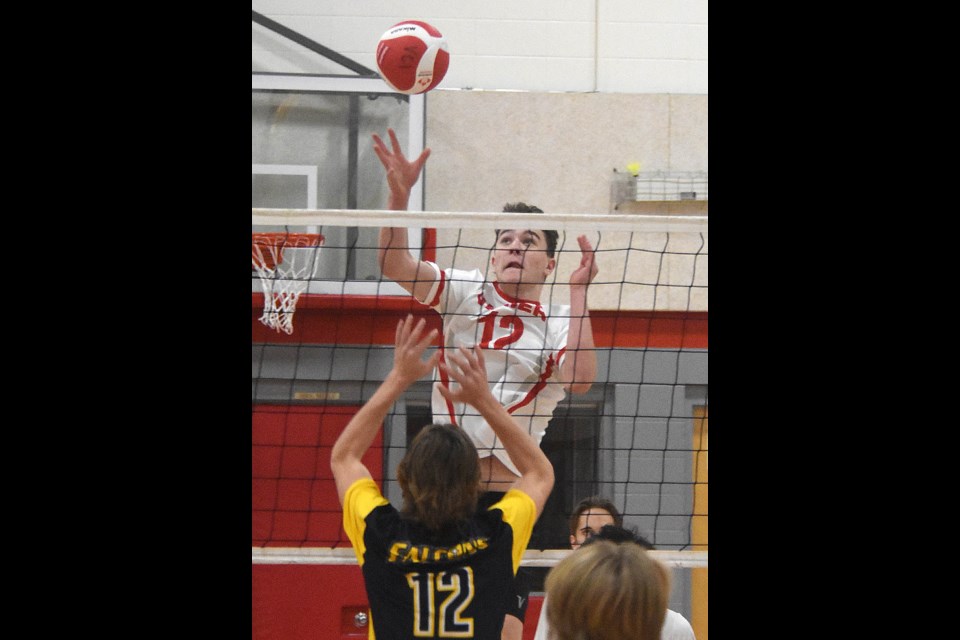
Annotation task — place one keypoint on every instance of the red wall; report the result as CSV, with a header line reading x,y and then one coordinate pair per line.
x,y
294,497
295,505
301,602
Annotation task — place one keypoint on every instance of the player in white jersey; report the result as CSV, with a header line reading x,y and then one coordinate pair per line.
x,y
534,352
524,344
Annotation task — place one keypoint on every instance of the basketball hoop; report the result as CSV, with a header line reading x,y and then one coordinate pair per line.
x,y
285,262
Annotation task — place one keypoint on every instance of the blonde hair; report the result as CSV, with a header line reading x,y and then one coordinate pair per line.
x,y
607,591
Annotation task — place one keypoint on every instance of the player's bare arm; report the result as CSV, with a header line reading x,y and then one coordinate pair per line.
x,y
393,255
466,367
408,367
579,369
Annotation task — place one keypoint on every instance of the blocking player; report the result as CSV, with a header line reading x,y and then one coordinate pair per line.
x,y
439,566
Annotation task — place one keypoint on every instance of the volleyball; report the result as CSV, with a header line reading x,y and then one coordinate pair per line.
x,y
412,57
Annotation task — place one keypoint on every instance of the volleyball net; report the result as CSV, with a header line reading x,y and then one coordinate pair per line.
x,y
323,321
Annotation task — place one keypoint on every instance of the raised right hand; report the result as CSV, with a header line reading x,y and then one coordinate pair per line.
x,y
402,174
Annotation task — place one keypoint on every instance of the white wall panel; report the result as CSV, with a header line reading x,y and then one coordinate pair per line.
x,y
629,46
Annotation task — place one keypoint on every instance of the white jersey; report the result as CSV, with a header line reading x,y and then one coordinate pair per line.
x,y
524,343
675,626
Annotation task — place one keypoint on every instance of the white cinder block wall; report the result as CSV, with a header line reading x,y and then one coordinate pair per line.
x,y
615,46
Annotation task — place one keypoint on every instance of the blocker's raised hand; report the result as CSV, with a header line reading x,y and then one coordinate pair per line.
x,y
466,367
409,346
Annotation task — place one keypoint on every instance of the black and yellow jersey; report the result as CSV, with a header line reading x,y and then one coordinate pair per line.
x,y
422,584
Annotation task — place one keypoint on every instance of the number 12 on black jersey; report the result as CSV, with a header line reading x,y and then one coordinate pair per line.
x,y
454,590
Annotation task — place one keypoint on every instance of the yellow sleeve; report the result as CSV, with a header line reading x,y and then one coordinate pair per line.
x,y
362,497
520,513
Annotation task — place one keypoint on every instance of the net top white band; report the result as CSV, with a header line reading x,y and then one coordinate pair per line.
x,y
531,558
480,220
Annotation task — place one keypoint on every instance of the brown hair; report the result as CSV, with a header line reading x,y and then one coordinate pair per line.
x,y
607,591
439,477
594,502
522,207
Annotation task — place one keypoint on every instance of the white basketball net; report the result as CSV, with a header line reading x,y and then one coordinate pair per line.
x,y
285,264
